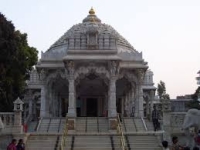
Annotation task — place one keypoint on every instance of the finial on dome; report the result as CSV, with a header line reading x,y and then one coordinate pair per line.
x,y
92,12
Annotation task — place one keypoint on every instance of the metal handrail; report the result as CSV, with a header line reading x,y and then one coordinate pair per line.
x,y
38,125
64,136
120,131
145,126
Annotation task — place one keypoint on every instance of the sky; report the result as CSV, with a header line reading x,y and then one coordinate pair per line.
x,y
167,32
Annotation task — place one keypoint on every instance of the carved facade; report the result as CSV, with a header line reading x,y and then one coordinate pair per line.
x,y
91,71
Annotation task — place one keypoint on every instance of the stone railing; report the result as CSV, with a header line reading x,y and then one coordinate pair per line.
x,y
7,118
8,121
177,119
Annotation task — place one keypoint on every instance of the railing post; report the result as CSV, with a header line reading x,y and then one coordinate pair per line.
x,y
64,135
18,108
120,131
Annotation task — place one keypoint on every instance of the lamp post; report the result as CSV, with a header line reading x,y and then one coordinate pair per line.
x,y
18,108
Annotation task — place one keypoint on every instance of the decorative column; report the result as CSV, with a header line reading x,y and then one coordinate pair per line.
x,y
72,108
151,103
112,108
30,109
43,101
69,66
122,106
126,104
141,107
112,111
114,70
50,102
166,108
140,75
147,107
136,114
69,70
54,103
129,102
42,74
132,102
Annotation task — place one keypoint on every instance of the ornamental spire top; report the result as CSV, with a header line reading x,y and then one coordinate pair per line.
x,y
92,18
92,12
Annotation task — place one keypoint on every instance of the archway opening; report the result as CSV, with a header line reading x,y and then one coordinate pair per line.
x,y
57,98
91,96
123,97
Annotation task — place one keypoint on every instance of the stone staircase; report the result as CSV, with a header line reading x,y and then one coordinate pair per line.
x,y
149,125
143,142
91,142
54,125
45,141
103,125
91,124
136,125
51,125
128,125
92,133
44,125
139,125
81,124
32,126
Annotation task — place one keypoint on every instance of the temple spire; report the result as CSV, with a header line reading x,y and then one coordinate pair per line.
x,y
92,18
92,12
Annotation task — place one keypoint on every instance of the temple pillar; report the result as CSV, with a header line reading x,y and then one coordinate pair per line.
x,y
147,108
136,114
71,108
112,112
43,101
132,101
122,106
69,70
30,109
151,103
141,107
140,110
126,104
166,109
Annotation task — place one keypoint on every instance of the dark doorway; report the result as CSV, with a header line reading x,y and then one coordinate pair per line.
x,y
92,107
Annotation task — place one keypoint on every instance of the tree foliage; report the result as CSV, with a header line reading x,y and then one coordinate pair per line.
x,y
194,103
16,61
162,91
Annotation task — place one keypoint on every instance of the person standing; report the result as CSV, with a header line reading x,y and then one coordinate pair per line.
x,y
197,139
165,145
21,145
175,144
155,116
12,145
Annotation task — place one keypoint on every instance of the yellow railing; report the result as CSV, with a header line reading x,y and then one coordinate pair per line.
x,y
64,136
120,131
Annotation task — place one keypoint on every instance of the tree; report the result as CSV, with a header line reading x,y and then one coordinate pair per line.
x,y
16,61
162,91
194,103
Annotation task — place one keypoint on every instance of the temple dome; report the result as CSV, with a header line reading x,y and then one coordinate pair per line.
x,y
92,34
93,23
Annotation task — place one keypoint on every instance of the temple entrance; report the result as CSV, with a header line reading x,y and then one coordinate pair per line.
x,y
92,108
92,92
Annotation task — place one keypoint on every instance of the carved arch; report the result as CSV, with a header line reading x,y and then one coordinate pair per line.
x,y
84,71
132,78
57,73
146,96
